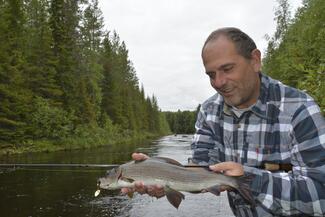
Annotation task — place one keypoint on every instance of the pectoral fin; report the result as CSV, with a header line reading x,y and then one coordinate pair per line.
x,y
174,197
216,189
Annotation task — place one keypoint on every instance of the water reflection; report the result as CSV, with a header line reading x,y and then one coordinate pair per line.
x,y
69,192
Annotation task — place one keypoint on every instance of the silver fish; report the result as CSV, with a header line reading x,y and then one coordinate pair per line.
x,y
174,177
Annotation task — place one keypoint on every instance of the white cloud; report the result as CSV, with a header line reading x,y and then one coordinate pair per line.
x,y
164,39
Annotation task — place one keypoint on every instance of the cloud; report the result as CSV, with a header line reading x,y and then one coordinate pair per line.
x,y
164,39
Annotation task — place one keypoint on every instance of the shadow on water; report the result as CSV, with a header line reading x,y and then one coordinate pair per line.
x,y
70,191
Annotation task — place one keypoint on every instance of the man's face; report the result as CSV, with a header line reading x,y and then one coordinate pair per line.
x,y
231,75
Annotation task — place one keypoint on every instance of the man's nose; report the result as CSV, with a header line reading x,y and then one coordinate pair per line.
x,y
218,81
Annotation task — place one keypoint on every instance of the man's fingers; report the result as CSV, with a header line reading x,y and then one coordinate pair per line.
x,y
152,190
220,167
139,156
138,184
126,191
228,168
140,188
156,191
159,187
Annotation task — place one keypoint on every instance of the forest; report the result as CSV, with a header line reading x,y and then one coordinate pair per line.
x,y
182,122
296,52
66,82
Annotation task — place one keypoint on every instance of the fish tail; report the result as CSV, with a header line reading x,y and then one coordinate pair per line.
x,y
244,189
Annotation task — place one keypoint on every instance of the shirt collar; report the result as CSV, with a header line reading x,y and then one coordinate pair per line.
x,y
260,107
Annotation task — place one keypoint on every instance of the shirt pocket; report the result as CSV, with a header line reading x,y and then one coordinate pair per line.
x,y
252,156
272,143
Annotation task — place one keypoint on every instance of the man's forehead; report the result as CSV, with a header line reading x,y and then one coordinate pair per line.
x,y
221,44
220,49
221,39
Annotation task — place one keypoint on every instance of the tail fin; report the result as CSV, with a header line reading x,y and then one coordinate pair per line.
x,y
245,190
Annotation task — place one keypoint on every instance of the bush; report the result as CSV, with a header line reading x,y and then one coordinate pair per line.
x,y
49,121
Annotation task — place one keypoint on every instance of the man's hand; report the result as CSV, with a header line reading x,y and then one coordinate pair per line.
x,y
152,190
228,168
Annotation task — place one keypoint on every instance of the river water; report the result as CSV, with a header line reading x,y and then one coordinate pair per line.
x,y
69,192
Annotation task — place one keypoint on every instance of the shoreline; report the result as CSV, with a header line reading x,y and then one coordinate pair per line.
x,y
47,146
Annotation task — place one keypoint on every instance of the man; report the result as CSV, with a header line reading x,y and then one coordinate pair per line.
x,y
257,126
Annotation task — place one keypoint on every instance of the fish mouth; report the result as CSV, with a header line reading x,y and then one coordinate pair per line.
x,y
101,184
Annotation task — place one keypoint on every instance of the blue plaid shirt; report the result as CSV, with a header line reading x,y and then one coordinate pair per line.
x,y
285,126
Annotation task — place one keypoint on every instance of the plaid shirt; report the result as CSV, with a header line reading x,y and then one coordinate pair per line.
x,y
285,126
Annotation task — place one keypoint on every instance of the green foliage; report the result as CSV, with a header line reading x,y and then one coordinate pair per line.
x,y
182,122
297,57
49,122
14,94
65,82
314,82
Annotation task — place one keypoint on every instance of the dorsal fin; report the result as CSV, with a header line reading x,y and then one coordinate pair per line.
x,y
162,159
167,160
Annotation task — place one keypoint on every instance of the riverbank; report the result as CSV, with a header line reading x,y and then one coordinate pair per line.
x,y
74,143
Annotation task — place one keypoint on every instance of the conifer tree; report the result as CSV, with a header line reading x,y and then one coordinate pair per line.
x,y
14,95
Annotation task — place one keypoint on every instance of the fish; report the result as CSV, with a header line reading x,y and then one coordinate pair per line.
x,y
175,178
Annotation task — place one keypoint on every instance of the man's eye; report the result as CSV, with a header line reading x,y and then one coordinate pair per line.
x,y
228,69
211,75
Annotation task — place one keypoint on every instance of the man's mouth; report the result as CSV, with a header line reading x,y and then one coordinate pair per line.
x,y
226,92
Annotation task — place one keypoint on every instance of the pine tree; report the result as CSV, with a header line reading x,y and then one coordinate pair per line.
x,y
13,93
64,23
41,74
91,71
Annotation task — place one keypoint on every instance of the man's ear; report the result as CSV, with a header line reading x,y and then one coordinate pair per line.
x,y
256,60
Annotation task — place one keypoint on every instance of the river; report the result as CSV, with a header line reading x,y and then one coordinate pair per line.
x,y
69,192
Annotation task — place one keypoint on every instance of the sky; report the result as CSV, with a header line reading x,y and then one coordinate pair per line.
x,y
165,37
